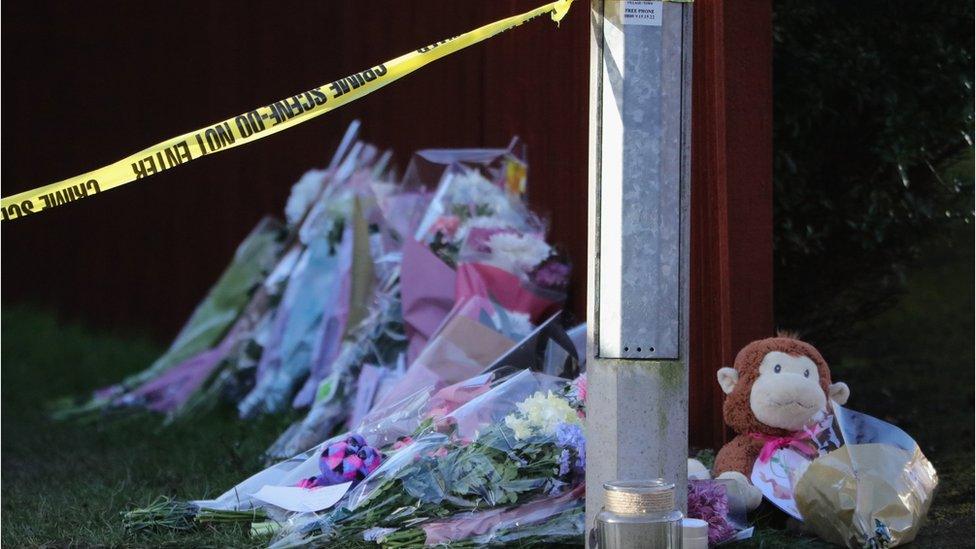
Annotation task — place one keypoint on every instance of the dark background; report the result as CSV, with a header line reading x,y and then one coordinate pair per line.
x,y
88,83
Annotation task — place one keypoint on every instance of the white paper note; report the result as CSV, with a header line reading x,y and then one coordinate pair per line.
x,y
643,12
302,500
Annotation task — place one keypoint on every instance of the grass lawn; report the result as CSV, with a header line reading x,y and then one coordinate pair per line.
x,y
65,484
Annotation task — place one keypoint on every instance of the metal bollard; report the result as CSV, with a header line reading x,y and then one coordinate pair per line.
x,y
637,514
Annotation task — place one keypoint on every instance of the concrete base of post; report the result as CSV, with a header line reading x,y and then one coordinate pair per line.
x,y
636,426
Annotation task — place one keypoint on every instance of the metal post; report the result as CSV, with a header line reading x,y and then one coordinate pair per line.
x,y
639,240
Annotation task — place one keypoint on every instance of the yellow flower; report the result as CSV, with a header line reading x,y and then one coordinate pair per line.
x,y
519,427
541,413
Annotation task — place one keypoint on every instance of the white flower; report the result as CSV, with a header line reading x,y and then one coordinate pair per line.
x,y
517,252
481,222
302,195
470,187
541,413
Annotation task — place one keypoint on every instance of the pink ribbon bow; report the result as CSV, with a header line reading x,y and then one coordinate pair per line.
x,y
801,441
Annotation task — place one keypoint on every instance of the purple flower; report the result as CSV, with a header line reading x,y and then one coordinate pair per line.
x,y
552,274
564,463
708,501
569,436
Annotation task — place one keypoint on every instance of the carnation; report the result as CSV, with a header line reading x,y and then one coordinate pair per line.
x,y
518,252
708,501
541,413
470,187
448,225
489,226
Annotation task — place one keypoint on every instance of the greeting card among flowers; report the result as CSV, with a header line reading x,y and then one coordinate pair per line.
x,y
783,460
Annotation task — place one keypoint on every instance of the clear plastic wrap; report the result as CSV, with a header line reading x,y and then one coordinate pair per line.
x,y
511,454
378,340
326,291
381,428
473,336
472,188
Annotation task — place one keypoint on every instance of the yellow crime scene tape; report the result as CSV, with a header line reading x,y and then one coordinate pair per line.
x,y
256,124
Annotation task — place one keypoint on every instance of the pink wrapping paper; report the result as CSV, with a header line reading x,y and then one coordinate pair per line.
x,y
461,350
169,391
504,288
427,293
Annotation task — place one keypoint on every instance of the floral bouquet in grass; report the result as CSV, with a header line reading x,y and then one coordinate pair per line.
x,y
506,466
430,300
232,328
376,343
319,300
476,238
343,458
493,460
213,328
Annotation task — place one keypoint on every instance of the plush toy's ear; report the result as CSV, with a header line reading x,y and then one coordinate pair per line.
x,y
840,392
727,378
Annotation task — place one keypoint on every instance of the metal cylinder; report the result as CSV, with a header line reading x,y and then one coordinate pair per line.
x,y
637,514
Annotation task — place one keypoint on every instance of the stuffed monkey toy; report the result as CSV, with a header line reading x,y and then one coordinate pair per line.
x,y
776,387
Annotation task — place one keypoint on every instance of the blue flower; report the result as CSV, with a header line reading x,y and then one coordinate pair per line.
x,y
569,436
564,463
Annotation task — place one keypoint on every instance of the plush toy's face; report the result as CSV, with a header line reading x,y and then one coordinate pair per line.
x,y
777,386
787,393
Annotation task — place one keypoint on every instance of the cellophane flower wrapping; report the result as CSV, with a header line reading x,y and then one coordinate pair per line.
x,y
874,491
208,334
473,335
505,466
311,318
483,186
472,187
383,428
378,340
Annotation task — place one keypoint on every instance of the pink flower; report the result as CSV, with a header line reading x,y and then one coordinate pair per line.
x,y
708,501
402,442
448,225
580,385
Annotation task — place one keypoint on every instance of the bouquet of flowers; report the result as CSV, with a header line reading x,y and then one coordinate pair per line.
x,y
477,199
514,454
440,317
492,460
378,342
203,336
311,319
280,310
